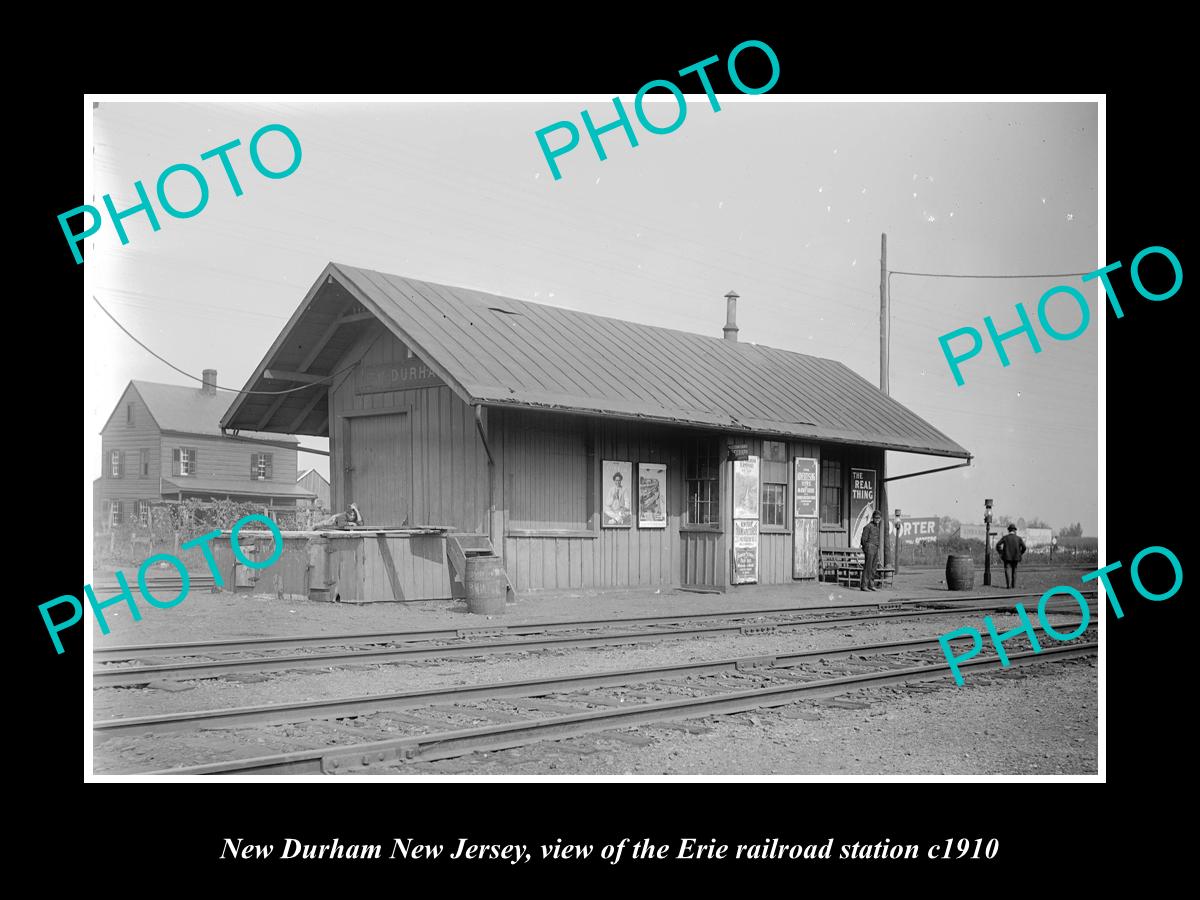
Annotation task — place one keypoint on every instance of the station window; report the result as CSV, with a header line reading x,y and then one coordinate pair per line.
x,y
831,492
702,474
774,475
774,451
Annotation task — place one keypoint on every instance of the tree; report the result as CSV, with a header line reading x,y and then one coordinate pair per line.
x,y
1035,522
1075,530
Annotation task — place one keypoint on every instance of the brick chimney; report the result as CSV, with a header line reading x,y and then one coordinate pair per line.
x,y
209,385
731,328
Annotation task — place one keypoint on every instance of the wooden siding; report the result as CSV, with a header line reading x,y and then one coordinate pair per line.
x,y
586,556
226,459
130,440
446,458
313,481
360,569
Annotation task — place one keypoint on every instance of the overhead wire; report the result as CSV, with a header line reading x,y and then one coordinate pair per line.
x,y
171,365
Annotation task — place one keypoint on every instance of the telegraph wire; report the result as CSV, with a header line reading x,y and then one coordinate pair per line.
x,y
201,380
948,275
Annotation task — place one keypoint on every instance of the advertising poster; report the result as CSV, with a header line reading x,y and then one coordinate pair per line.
x,y
616,510
745,551
745,488
919,530
652,495
862,502
806,488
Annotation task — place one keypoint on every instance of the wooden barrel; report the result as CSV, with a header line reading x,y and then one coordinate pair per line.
x,y
486,585
960,573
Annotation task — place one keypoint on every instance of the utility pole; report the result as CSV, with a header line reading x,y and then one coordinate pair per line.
x,y
882,499
883,315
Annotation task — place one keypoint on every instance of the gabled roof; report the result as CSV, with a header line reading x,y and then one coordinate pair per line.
x,y
308,472
498,351
176,407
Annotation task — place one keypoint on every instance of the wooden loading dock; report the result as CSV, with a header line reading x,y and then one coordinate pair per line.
x,y
591,452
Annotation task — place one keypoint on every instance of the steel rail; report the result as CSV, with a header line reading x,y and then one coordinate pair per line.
x,y
443,745
338,708
197,648
134,675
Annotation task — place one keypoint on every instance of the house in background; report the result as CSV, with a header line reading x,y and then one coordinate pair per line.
x,y
314,482
164,442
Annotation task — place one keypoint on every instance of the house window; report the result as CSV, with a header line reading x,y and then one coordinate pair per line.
x,y
774,474
144,512
260,466
185,461
115,464
831,492
702,474
114,513
128,413
144,464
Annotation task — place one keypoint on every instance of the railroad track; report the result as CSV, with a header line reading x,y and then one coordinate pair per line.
x,y
520,712
473,642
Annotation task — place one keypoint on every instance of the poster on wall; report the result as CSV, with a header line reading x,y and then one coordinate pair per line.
x,y
652,495
806,488
617,511
745,488
862,502
745,551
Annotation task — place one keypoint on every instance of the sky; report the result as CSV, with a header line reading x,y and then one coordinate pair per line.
x,y
779,199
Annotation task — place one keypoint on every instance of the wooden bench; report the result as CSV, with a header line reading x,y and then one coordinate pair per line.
x,y
844,566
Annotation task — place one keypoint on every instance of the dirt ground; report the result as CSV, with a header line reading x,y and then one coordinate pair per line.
x,y
1036,720
1033,720
206,616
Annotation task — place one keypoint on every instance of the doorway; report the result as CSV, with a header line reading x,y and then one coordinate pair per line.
x,y
379,476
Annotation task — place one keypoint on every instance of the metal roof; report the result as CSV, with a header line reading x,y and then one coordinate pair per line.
x,y
498,351
176,407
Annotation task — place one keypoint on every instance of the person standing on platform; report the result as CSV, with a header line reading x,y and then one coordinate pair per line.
x,y
1010,549
870,545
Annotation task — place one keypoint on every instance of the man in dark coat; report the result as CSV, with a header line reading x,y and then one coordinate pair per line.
x,y
870,546
1010,548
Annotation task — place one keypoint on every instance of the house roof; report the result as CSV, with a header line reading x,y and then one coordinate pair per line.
x,y
177,407
239,487
498,351
308,472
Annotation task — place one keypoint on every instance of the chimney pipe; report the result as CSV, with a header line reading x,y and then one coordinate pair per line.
x,y
209,385
731,328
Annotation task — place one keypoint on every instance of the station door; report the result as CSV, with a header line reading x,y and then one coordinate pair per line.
x,y
380,474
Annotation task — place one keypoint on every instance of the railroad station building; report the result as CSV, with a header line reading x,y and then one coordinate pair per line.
x,y
592,452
